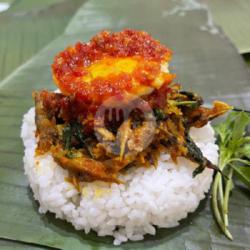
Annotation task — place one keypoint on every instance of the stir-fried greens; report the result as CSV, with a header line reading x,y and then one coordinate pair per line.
x,y
101,152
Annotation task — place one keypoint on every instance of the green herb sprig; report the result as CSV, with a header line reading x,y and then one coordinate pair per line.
x,y
234,158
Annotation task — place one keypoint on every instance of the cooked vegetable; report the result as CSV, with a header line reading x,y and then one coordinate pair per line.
x,y
137,139
67,134
195,154
234,157
159,114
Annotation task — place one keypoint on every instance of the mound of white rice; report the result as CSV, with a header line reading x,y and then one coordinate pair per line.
x,y
150,197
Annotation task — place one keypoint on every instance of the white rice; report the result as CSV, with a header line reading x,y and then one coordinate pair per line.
x,y
150,197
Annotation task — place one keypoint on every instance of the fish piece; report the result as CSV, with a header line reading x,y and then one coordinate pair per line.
x,y
105,134
201,116
83,165
123,134
142,136
46,127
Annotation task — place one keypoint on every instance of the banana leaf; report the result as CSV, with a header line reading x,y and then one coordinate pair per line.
x,y
13,245
205,62
247,58
27,26
233,17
